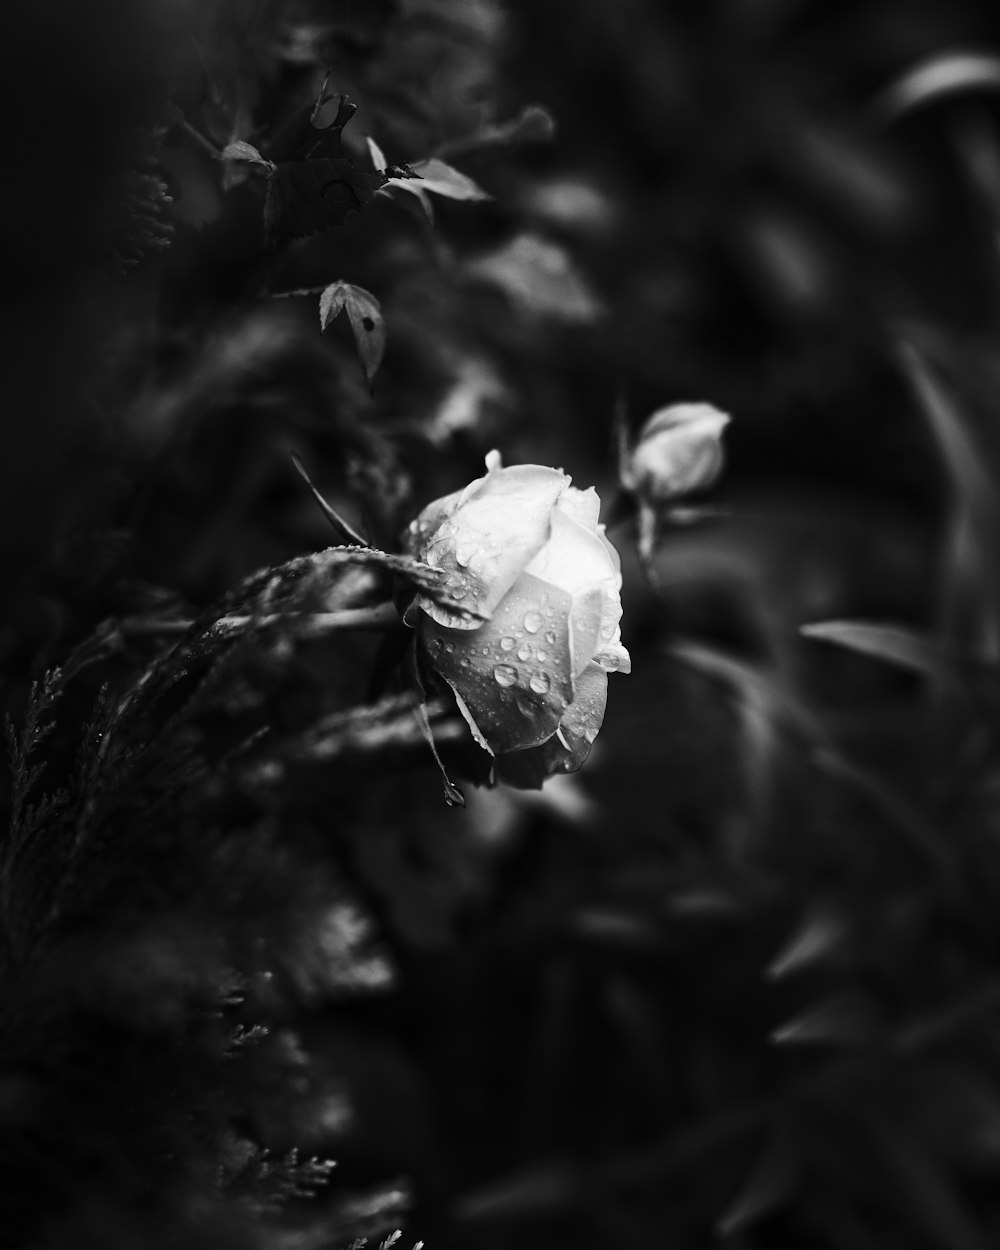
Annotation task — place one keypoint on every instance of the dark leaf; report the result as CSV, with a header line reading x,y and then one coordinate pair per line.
x,y
322,188
306,197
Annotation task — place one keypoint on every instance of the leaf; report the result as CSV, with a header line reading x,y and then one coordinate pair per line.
x,y
238,159
365,315
895,644
935,1204
845,1019
767,1187
378,156
438,178
309,195
937,78
443,179
819,935
539,277
534,124
246,153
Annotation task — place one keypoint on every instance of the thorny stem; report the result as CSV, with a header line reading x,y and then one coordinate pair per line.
x,y
383,617
299,291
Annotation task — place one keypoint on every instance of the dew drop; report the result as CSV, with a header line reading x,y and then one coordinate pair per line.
x,y
507,644
540,682
435,644
533,621
457,590
525,708
542,656
505,674
464,553
524,651
464,662
449,647
550,637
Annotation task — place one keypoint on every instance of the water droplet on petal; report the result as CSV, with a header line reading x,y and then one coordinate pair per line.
x,y
507,644
449,647
542,656
540,682
550,637
464,662
524,651
464,553
525,708
505,674
533,621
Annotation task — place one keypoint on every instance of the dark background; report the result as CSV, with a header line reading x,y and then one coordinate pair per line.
x,y
736,981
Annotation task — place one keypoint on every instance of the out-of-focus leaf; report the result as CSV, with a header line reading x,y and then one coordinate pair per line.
x,y
538,276
766,701
895,644
930,1196
939,1026
534,124
950,427
365,315
842,1020
819,935
851,171
791,264
940,77
769,1184
970,598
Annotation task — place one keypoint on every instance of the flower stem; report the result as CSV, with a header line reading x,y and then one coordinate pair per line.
x,y
382,617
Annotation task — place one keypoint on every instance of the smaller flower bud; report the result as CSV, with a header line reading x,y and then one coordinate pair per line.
x,y
678,451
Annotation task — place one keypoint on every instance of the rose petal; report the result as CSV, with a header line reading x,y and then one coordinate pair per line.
x,y
500,523
614,658
514,672
574,558
583,506
567,750
586,621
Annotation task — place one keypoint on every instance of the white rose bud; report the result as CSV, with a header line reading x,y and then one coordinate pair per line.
x,y
523,547
678,451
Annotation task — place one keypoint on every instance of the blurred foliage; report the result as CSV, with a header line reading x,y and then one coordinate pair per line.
x,y
738,979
